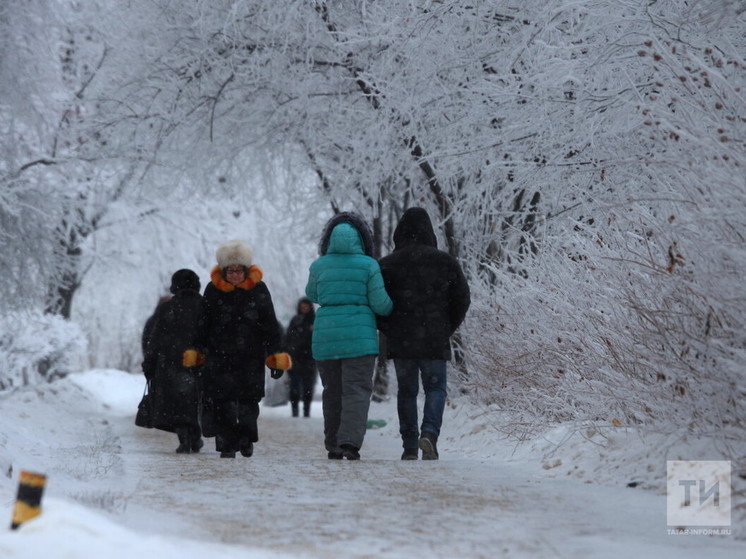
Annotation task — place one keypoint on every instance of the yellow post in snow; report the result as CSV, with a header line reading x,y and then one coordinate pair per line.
x,y
28,501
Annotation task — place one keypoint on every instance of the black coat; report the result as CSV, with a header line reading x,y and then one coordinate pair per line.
x,y
239,330
429,291
174,388
299,334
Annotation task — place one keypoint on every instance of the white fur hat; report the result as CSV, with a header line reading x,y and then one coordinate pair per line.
x,y
234,253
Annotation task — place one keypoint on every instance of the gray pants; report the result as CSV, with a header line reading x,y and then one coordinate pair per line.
x,y
348,385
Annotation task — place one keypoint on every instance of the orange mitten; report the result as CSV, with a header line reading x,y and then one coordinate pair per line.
x,y
192,358
280,361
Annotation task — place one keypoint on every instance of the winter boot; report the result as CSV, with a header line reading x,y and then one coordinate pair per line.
x,y
410,454
294,407
195,439
335,455
350,452
246,447
227,454
306,408
197,444
428,446
184,444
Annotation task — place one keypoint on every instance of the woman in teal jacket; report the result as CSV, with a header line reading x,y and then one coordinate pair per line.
x,y
346,282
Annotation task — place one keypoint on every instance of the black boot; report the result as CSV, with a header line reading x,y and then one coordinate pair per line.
x,y
306,408
351,452
185,446
294,407
429,447
246,447
197,444
195,439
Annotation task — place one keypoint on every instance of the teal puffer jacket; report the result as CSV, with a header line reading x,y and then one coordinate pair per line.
x,y
348,286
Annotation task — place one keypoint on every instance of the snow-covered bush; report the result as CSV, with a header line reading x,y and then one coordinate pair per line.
x,y
629,309
37,347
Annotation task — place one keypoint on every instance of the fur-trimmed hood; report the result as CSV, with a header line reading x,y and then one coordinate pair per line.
x,y
253,276
357,221
414,227
234,253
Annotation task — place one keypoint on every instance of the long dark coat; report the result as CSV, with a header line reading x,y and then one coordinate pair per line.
x,y
174,388
429,291
299,334
239,330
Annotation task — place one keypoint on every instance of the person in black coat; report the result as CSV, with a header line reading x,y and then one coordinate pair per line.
x,y
298,345
147,329
175,388
431,297
239,335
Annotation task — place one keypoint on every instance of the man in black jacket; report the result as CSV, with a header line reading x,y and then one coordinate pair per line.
x,y
431,297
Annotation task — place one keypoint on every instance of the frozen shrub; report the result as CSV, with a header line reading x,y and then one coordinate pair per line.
x,y
37,347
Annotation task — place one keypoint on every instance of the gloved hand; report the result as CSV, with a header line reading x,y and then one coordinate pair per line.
x,y
192,358
279,361
276,373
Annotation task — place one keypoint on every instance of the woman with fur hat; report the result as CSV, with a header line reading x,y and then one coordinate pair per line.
x,y
174,387
346,282
239,335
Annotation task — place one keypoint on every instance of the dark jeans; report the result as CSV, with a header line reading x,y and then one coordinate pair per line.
x,y
302,381
434,385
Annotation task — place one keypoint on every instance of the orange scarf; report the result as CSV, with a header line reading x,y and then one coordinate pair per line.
x,y
253,277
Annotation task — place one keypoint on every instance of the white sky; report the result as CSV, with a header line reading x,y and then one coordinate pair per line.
x,y
118,491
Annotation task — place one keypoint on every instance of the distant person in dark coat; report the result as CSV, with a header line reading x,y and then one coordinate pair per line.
x,y
298,345
175,388
431,297
239,335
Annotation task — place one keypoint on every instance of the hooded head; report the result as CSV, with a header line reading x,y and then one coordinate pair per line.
x,y
184,279
306,302
234,253
357,222
414,227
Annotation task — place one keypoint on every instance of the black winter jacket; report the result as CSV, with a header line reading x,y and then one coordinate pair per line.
x,y
429,291
239,330
174,388
299,334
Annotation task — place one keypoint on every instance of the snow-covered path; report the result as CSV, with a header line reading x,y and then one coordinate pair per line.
x,y
289,500
290,497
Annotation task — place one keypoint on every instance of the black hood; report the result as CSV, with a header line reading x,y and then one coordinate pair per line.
x,y
357,221
414,227
312,312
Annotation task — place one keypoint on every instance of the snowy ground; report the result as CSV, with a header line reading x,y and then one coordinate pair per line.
x,y
117,491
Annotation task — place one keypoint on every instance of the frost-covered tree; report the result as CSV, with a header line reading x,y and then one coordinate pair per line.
x,y
584,160
57,181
